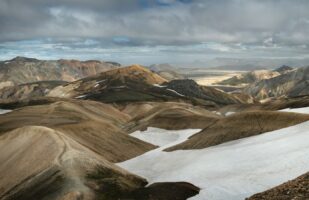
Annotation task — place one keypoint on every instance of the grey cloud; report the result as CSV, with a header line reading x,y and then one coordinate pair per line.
x,y
243,21
197,28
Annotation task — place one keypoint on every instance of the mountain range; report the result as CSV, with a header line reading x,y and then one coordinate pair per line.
x,y
97,130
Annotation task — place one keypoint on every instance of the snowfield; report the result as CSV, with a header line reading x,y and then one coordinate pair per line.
x,y
161,137
233,170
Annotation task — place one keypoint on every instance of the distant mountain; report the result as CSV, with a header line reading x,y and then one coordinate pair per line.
x,y
250,64
283,69
167,71
135,83
249,77
24,70
27,90
293,83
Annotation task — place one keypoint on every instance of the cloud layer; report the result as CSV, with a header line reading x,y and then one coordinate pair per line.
x,y
196,28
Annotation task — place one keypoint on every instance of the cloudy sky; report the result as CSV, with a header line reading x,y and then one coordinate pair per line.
x,y
154,31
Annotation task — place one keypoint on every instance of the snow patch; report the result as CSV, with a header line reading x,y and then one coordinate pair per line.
x,y
160,86
304,110
161,137
229,113
119,87
101,81
81,96
175,92
233,170
4,111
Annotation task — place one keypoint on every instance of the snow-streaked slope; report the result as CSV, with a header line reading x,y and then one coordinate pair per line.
x,y
4,111
232,170
297,110
161,137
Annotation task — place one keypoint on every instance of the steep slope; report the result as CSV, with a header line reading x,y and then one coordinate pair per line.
x,y
95,125
241,125
297,188
81,139
50,165
250,77
24,70
294,83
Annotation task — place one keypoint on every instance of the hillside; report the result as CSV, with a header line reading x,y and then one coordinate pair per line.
x,y
293,83
28,90
240,125
24,70
135,83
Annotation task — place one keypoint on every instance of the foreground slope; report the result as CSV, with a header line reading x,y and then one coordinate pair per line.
x,y
82,140
28,173
95,125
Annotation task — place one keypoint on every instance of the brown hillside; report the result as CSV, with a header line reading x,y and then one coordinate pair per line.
x,y
241,125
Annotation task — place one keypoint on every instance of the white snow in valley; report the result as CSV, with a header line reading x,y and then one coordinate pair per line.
x,y
233,170
81,96
160,86
161,137
297,110
4,111
175,92
229,113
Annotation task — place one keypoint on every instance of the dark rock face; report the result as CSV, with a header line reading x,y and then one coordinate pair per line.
x,y
190,88
283,69
186,87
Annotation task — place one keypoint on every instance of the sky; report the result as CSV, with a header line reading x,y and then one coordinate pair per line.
x,y
155,31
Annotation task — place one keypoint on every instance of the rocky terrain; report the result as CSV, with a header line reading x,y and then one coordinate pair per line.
x,y
294,189
95,130
293,83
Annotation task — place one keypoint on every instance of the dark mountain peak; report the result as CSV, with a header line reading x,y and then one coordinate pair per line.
x,y
283,69
24,59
